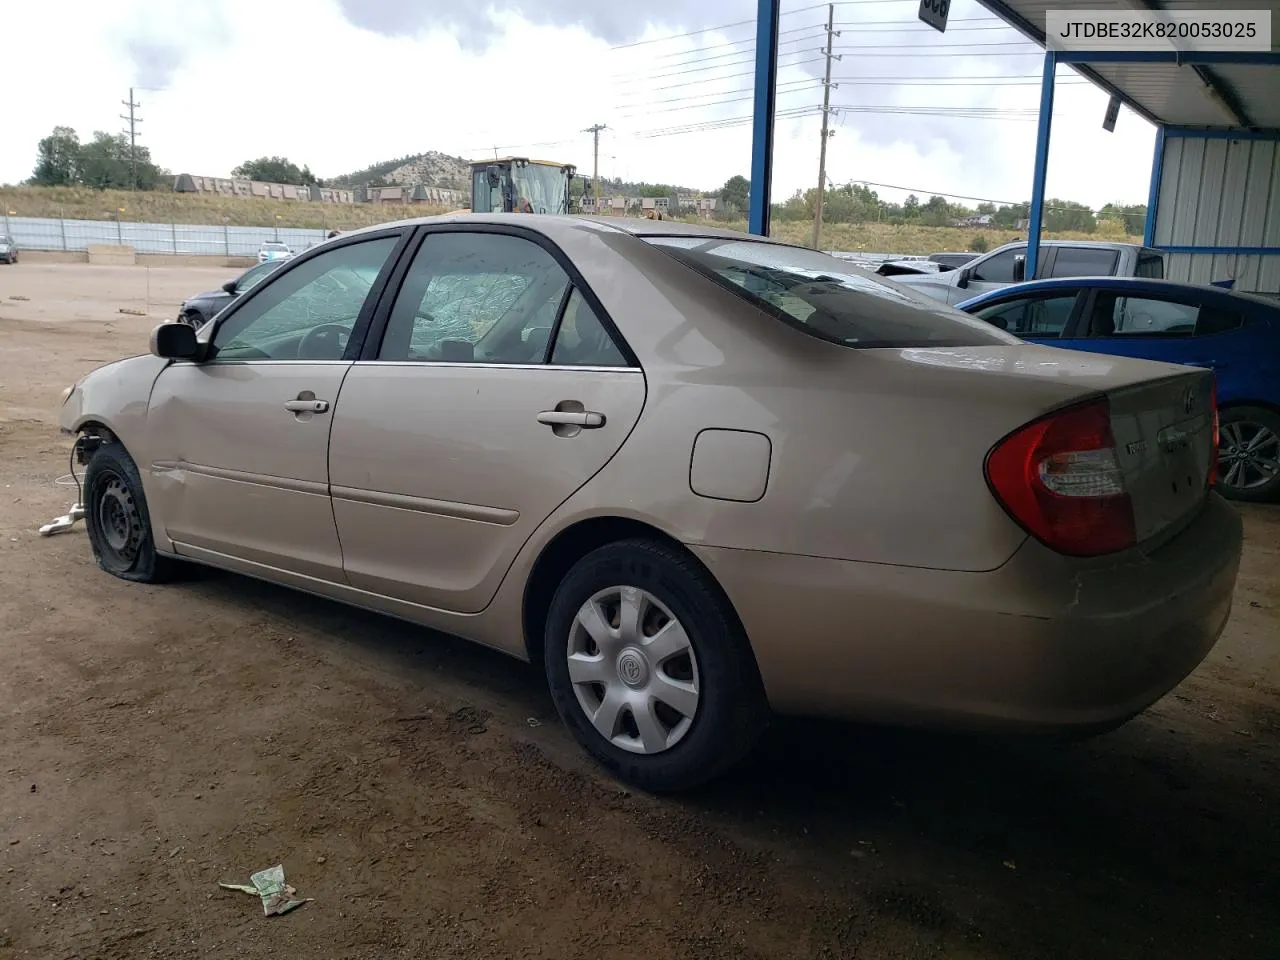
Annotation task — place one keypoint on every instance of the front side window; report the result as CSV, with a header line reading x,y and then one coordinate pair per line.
x,y
542,187
1032,316
1084,262
251,278
476,298
826,297
308,312
997,268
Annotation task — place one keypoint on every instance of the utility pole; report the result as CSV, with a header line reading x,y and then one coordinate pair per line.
x,y
826,130
594,130
134,120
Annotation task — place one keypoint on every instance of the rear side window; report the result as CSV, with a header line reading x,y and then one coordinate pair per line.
x,y
1150,266
1084,262
1115,315
828,298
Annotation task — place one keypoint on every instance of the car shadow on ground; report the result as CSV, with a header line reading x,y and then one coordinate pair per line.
x,y
1157,839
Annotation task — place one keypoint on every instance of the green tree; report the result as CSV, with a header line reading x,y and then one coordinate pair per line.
x,y
57,159
736,191
108,162
979,244
275,170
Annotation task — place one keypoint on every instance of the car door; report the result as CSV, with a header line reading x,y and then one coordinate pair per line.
x,y
992,272
1039,317
239,442
497,388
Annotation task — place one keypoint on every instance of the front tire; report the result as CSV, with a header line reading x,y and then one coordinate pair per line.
x,y
650,669
119,525
1249,454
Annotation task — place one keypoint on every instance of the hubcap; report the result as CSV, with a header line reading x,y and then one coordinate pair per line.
x,y
633,670
1249,455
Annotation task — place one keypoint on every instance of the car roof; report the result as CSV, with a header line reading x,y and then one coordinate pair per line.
x,y
1127,284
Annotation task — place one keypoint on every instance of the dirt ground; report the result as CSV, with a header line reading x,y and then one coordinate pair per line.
x,y
156,741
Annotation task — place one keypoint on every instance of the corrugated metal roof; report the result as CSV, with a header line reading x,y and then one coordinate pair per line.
x,y
1167,93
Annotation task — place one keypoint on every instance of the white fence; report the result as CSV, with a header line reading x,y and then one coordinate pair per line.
x,y
38,233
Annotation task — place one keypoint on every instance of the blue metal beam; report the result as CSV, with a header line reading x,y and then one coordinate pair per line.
x,y
766,97
1153,198
1198,134
1036,213
1238,251
1237,58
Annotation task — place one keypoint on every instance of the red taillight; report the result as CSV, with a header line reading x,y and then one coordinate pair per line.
x,y
1060,479
1213,451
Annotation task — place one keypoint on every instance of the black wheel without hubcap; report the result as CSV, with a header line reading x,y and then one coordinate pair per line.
x,y
1249,454
649,667
115,513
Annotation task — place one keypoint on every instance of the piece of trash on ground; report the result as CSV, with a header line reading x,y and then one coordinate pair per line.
x,y
533,722
269,884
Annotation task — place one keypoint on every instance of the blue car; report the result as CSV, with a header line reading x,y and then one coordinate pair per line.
x,y
1236,334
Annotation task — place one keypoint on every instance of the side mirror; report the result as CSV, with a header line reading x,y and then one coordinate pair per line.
x,y
962,281
175,341
229,287
1019,269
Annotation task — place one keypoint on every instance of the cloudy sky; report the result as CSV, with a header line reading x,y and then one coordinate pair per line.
x,y
340,84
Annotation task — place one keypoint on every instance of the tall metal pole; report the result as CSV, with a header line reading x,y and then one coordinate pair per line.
x,y
134,120
1040,173
826,114
594,130
765,100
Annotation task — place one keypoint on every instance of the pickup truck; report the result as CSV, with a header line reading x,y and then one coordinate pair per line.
x,y
1005,266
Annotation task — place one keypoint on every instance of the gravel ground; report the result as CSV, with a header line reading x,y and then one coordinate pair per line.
x,y
156,741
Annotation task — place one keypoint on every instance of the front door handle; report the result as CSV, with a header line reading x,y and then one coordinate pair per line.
x,y
585,419
307,406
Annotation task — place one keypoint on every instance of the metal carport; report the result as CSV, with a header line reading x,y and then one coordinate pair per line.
x,y
1214,204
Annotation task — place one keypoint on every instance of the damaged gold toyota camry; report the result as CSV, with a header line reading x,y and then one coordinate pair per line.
x,y
698,478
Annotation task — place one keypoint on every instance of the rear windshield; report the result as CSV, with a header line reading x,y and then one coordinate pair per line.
x,y
829,298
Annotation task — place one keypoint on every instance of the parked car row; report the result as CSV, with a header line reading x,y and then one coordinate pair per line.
x,y
697,477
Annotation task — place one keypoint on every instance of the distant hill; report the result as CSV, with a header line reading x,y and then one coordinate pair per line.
x,y
435,169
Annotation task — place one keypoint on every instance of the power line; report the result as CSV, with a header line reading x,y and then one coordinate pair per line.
x,y
733,43
699,96
964,113
714,103
747,56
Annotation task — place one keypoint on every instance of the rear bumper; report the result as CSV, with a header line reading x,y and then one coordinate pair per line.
x,y
1043,643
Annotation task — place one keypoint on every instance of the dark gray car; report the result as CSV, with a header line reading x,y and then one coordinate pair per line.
x,y
195,311
8,249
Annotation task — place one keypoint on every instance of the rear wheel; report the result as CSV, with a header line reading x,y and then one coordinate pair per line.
x,y
1249,454
649,668
119,525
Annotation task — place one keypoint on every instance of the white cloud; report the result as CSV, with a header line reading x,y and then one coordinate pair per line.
x,y
298,78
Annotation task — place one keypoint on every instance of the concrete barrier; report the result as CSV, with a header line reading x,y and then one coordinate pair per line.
x,y
141,259
112,255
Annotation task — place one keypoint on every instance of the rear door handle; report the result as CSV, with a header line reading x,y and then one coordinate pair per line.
x,y
307,406
587,419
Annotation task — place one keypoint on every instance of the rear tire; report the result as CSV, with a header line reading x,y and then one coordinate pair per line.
x,y
671,695
1249,450
119,525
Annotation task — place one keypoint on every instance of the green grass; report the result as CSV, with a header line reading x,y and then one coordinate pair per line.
x,y
163,206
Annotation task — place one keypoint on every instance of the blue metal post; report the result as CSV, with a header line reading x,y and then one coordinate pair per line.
x,y
1036,213
766,96
1153,198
